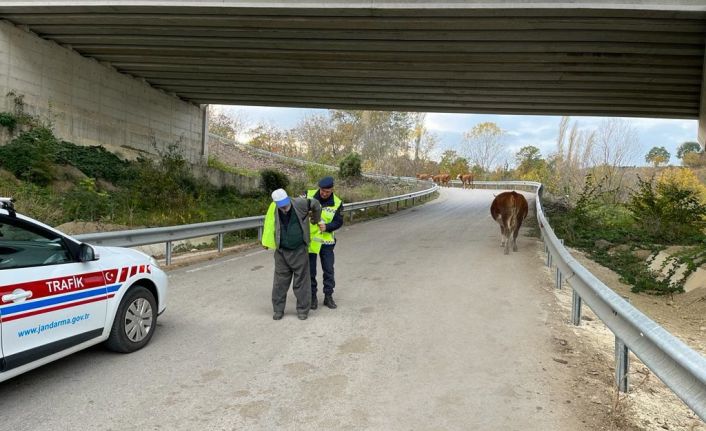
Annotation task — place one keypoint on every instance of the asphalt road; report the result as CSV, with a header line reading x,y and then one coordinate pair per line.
x,y
436,330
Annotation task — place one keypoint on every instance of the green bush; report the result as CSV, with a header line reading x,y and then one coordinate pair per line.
x,y
350,166
31,155
315,172
8,121
667,212
85,202
94,161
163,185
271,180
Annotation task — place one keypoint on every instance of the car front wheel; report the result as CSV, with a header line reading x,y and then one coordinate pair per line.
x,y
134,322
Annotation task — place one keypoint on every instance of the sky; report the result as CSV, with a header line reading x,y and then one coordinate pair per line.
x,y
521,130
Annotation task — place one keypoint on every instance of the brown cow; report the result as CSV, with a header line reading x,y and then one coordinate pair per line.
x,y
442,179
509,209
466,179
423,176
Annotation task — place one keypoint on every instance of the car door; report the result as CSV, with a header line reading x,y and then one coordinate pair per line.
x,y
49,301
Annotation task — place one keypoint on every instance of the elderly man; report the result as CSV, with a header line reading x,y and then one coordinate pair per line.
x,y
323,240
286,231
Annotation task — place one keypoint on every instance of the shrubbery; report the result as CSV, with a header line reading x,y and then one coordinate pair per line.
x,y
94,161
86,202
350,166
668,212
271,180
31,155
315,172
8,121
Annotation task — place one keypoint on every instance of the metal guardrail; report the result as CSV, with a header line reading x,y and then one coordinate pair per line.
x,y
681,368
167,235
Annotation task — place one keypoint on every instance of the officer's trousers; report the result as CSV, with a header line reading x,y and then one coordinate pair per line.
x,y
327,259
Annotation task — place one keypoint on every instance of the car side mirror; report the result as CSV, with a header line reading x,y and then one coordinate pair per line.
x,y
87,253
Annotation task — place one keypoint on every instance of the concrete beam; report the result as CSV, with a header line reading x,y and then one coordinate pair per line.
x,y
630,57
701,134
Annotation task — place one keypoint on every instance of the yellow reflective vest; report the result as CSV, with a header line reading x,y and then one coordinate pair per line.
x,y
268,230
319,238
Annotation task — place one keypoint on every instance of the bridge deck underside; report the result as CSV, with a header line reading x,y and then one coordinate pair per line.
x,y
645,63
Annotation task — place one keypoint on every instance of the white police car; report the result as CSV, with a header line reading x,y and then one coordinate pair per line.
x,y
59,295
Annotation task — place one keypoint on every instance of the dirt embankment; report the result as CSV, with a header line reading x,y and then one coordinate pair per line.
x,y
588,350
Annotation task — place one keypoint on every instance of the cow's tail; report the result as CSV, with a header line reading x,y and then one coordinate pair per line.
x,y
514,215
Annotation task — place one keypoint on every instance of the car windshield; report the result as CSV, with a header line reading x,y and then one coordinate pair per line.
x,y
23,246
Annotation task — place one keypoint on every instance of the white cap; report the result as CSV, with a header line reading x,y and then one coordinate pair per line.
x,y
280,197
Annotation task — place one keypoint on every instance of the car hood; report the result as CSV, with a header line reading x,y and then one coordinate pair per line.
x,y
123,253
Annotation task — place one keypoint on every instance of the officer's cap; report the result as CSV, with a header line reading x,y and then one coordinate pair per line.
x,y
326,182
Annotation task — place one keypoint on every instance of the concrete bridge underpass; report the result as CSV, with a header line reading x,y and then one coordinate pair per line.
x,y
642,58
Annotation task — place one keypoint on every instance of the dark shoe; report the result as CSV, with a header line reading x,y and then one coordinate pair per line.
x,y
314,302
328,301
278,315
302,316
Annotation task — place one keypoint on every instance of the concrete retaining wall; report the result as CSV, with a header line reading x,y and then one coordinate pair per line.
x,y
219,178
90,103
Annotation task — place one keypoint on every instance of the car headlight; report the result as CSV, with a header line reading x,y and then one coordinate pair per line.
x,y
154,262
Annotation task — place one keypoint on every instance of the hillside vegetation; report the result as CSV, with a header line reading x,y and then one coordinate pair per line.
x,y
57,182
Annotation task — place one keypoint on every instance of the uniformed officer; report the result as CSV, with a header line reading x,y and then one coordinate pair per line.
x,y
323,240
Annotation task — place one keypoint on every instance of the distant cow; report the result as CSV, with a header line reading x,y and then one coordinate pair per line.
x,y
423,176
466,179
442,179
509,209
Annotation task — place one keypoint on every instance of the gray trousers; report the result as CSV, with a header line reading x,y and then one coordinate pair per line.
x,y
292,267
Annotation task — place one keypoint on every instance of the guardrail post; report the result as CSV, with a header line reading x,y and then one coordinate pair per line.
x,y
168,253
398,205
220,242
575,308
558,273
621,365
259,233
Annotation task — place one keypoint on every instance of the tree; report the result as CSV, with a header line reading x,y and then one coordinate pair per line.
x,y
572,159
686,148
229,126
615,146
452,164
694,160
527,157
483,144
447,160
270,138
423,141
657,156
318,135
530,165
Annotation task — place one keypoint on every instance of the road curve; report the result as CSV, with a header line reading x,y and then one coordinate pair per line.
x,y
436,330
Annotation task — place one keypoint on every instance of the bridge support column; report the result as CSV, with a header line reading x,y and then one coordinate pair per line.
x,y
702,109
204,133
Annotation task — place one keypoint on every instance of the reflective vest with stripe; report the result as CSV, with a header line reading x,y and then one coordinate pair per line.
x,y
268,230
319,238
